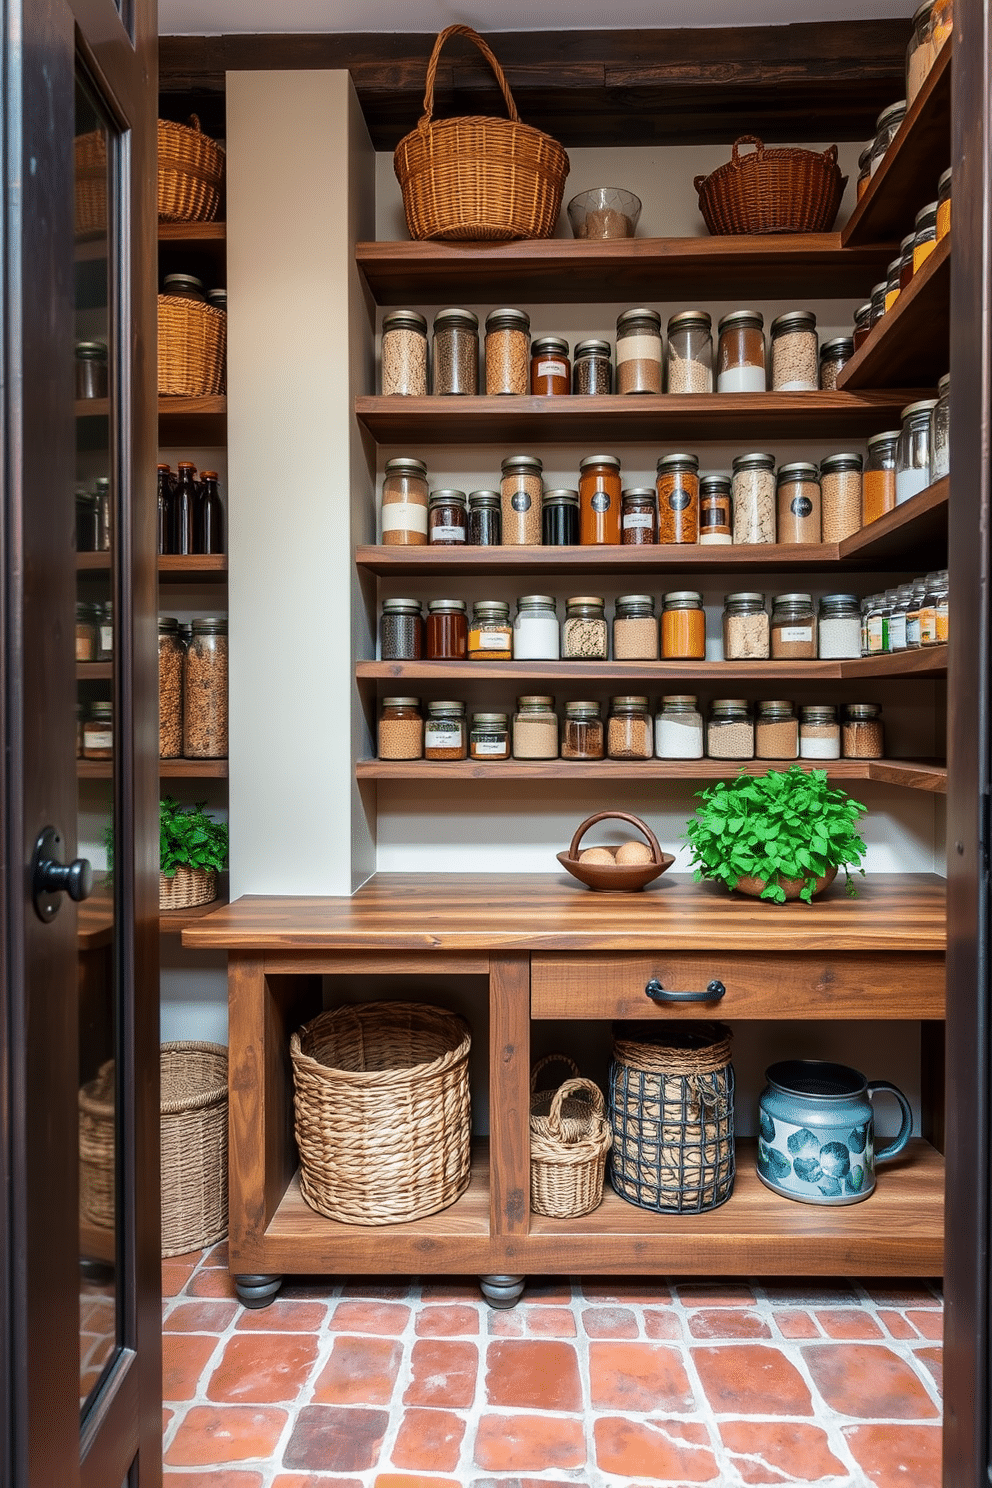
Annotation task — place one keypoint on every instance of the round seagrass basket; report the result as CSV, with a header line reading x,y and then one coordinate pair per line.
x,y
772,191
190,172
192,342
568,1146
97,1172
187,888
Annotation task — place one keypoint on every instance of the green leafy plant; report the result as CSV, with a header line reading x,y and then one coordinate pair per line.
x,y
784,823
189,838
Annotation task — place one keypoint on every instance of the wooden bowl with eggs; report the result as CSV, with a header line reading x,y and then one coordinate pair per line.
x,y
613,870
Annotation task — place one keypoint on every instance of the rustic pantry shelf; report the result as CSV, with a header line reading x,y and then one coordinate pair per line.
x,y
94,671
917,527
179,769
192,422
192,568
912,342
95,920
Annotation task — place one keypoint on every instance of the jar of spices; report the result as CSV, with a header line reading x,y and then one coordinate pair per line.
x,y
404,503
862,325
592,369
878,490
746,631
839,627
876,625
105,632
170,688
205,691
753,487
550,373
582,735
933,612
893,288
919,53
941,23
862,732
490,737
794,352
776,732
690,352
87,621
456,353
401,630
840,496
401,729
683,626
741,353
819,732
793,627
560,519
730,731
629,734
639,515
585,632
678,498
798,503
447,518
535,728
98,732
834,355
485,519
864,170
913,450
714,511
886,128
404,354
445,736
678,728
878,301
447,630
507,352
184,287
91,370
536,636
944,204
88,523
599,499
940,431
635,629
521,489
639,351
926,235
490,636
906,261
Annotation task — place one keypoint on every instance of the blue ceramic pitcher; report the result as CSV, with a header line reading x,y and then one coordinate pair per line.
x,y
817,1132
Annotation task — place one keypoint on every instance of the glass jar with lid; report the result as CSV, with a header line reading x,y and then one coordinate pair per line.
x,y
834,356
560,519
876,625
919,53
683,626
925,240
840,496
819,732
753,486
794,352
878,489
690,352
944,204
746,630
893,288
901,601
715,527
456,353
678,728
917,592
485,519
166,503
447,630
639,515
98,732
401,729
87,619
490,636
940,431
678,498
793,627
941,23
550,372
839,627
101,487
401,630
585,632
535,728
906,261
886,128
592,368
635,629
798,495
91,370
629,734
878,301
184,287
105,631
639,351
536,636
741,353
582,737
404,354
490,737
913,450
862,325
730,730
507,352
776,731
521,489
933,611
864,170
447,519
445,734
404,503
170,688
205,690
862,732
599,500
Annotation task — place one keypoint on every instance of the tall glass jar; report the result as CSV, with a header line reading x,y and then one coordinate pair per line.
x,y
585,633
521,489
839,627
401,630
840,496
404,354
599,500
485,519
793,628
878,489
919,53
730,730
878,301
913,450
794,352
401,729
629,734
445,734
776,731
715,523
582,737
741,353
404,503
864,170
753,487
940,431
819,732
447,519
893,287
862,732
592,369
886,128
536,635
205,691
456,353
535,728
917,592
447,630
678,728
635,629
834,356
925,240
550,372
746,631
560,519
639,351
683,626
944,204
897,617
490,635
678,498
170,688
490,737
906,261
690,352
639,515
98,732
105,631
91,370
507,352
798,494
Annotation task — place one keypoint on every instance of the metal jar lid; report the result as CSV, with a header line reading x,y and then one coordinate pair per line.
x,y
834,464
776,708
677,462
591,601
818,713
913,410
400,702
592,347
794,599
484,498
729,705
925,214
102,711
182,283
793,321
944,386
745,598
508,320
862,313
166,623
678,700
628,704
405,465
490,720
405,320
742,319
491,609
640,493
683,599
402,607
550,346
839,602
714,485
456,320
210,625
534,701
944,180
690,320
611,461
535,602
640,602
447,498
91,351
888,436
797,470
862,712
582,709
889,115
446,606
629,318
217,298
521,465
840,348
754,461
447,706
561,498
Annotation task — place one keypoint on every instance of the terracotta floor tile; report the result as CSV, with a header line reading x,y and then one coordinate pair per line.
x,y
752,1380
662,1323
443,1373
806,1291
609,1322
263,1369
200,1317
897,1324
868,1380
678,1450
901,1293
533,1373
572,1481
529,1443
727,1322
897,1456
308,1288
549,1322
336,1438
211,1434
377,1288
214,1479
360,1371
446,1322
429,1439
369,1317
638,1377
714,1293
777,1451
175,1275
548,1289
405,1480
216,1282
792,1323
933,1361
930,1324
848,1322
506,1322
644,1290
284,1315
217,1255
310,1480
450,1289
184,1358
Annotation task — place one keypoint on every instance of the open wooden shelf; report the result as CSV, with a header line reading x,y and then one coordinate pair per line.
x,y
911,343
94,671
192,233
916,528
192,422
192,568
98,562
928,661
175,921
178,769
91,408
95,920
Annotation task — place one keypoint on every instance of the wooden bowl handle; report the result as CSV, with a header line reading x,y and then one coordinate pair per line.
x,y
635,821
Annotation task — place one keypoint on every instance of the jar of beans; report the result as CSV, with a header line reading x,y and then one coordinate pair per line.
x,y
793,627
560,519
404,354
485,519
445,736
629,733
840,496
456,352
582,734
834,356
490,636
730,731
741,353
862,732
690,352
401,729
507,352
535,728
819,732
794,352
839,627
592,369
404,503
683,626
447,630
635,629
639,515
447,519
798,493
550,372
585,633
678,728
715,527
170,688
490,737
521,489
205,715
401,630
776,732
678,498
599,499
536,636
639,351
746,631
878,491
753,488
98,732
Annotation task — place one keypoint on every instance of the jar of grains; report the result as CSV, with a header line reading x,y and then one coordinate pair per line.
x,y
862,732
839,627
864,170
521,489
585,632
793,627
490,737
794,352
629,734
714,511
753,487
678,498
635,629
445,735
913,450
798,503
170,688
560,519
840,496
639,515
941,23
944,204
404,354
447,518
485,519
878,487
940,431
893,288
456,352
887,126
919,53
550,373
535,728
678,728
401,729
862,326
98,732
746,632
599,499
730,731
925,240
536,636
740,359
205,691
878,302
690,352
582,734
490,636
639,351
776,732
834,355
401,630
683,626
447,630
507,352
404,503
87,619
819,732
592,369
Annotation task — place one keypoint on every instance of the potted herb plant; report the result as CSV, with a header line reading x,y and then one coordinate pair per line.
x,y
193,850
777,836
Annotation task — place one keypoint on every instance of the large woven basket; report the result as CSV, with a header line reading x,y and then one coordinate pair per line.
x,y
190,172
91,184
187,888
772,191
382,1111
97,1169
672,1114
192,342
193,1107
568,1152
478,178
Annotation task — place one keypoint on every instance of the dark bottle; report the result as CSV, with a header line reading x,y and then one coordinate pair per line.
x,y
166,510
186,504
560,519
209,515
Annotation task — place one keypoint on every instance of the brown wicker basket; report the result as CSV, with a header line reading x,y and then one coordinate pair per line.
x,y
772,191
568,1148
382,1111
190,172
192,342
91,184
97,1174
187,888
193,1106
478,178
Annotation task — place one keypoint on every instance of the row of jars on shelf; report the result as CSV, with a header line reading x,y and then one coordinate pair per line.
x,y
906,618
515,365
190,511
933,23
932,223
189,287
734,730
192,689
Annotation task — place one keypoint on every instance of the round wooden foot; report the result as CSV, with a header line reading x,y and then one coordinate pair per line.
x,y
501,1291
257,1291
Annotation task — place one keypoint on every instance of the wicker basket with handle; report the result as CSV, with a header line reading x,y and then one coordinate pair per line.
x,y
568,1148
190,172
192,342
187,888
478,178
772,191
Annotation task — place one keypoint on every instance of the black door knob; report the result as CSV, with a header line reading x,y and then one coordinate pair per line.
x,y
50,877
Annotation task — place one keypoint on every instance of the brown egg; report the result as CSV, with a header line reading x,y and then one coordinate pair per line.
x,y
634,852
598,855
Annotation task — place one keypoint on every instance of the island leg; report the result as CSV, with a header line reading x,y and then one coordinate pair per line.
x,y
257,1291
501,1291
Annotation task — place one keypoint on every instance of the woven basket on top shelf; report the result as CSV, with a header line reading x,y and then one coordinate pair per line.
x,y
772,191
91,184
187,888
192,342
190,172
569,1141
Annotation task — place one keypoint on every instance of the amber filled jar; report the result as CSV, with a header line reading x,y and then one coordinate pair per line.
x,y
582,734
834,355
941,23
592,369
635,629
401,729
98,732
404,354
639,351
485,519
560,519
753,488
741,353
683,626
629,734
445,736
862,325
490,737
447,630
447,519
794,352
793,628
714,511
840,496
730,731
490,636
690,352
798,494
205,691
925,240
678,499
456,353
599,499
585,634
550,372
170,688
401,630
639,515
776,732
878,487
944,204
862,732
404,503
521,490
892,286
535,728
864,170
906,261
87,619
507,352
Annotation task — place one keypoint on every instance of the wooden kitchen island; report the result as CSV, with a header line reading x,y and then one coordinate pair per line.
x,y
552,950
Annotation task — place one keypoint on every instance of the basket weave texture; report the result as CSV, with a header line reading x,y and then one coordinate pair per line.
x,y
772,191
192,343
190,172
96,1149
568,1146
187,888
91,184
478,178
672,1114
383,1122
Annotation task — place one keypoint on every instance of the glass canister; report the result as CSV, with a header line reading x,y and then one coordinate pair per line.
x,y
445,734
91,370
862,325
941,23
98,732
629,734
741,353
456,353
793,628
447,630
550,373
404,354
521,489
878,301
401,630
585,632
893,287
776,731
878,487
794,352
862,732
753,487
876,625
507,352
401,729
536,635
490,635
839,627
819,732
730,730
592,368
944,204
897,617
447,519
886,128
919,53
405,496
582,736
913,450
599,500
683,626
639,351
715,527
834,355
560,519
690,352
87,618
906,261
746,630
639,515
840,496
535,728
925,240
864,170
635,629
940,431
105,632
170,688
678,728
798,494
166,500
678,498
490,737
485,519
184,287
205,691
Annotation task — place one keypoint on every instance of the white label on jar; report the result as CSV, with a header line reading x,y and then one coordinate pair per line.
x,y
928,629
796,633
536,638
897,632
98,739
494,640
441,737
490,744
637,519
741,380
796,385
552,369
819,748
404,516
913,632
448,534
638,349
106,637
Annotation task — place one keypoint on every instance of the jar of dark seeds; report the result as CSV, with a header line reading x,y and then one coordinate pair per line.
x,y
746,631
592,369
629,734
485,519
401,630
639,515
205,691
490,737
834,355
521,489
776,732
456,352
560,519
715,528
401,729
447,518
753,488
798,493
170,688
793,627
639,351
582,735
585,632
445,737
730,731
862,734
794,353
507,352
404,354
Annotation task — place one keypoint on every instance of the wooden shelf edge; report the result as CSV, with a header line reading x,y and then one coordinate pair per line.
x,y
192,232
862,371
213,404
175,921
179,769
928,662
907,522
177,567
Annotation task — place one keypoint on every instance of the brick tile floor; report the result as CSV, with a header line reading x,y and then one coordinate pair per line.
x,y
598,1383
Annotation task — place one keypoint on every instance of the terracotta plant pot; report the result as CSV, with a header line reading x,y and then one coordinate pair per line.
x,y
792,886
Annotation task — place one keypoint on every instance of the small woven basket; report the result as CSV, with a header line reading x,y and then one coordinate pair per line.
x,y
193,1106
478,178
672,1114
97,1173
192,342
190,173
91,184
772,191
568,1148
383,1122
187,888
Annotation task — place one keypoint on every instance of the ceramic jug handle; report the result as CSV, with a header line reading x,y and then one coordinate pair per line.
x,y
905,1130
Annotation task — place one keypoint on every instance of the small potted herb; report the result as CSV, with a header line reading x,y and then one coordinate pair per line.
x,y
193,850
777,836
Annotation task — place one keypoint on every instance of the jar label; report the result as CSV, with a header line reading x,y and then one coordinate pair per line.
x,y
633,520
490,640
928,629
404,516
489,744
552,369
442,736
796,633
897,632
106,637
638,348
600,502
679,500
448,534
714,516
98,738
913,631
801,506
520,501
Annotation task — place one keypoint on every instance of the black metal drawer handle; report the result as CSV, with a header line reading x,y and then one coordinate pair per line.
x,y
714,991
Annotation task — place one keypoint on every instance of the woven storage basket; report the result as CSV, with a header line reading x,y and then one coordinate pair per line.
x,y
91,184
96,1149
672,1114
772,191
540,1100
478,178
193,1106
190,172
382,1111
187,888
192,342
568,1152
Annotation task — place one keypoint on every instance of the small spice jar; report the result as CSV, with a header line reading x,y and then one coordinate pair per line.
x,y
925,240
887,127
893,287
445,735
878,486
91,370
550,373
730,731
404,503
485,519
913,604
690,352
490,636
839,627
678,728
560,519
582,734
897,617
683,626
794,352
592,369
776,731
447,630
170,688
834,355
456,353
876,625
862,326
401,630
906,261
507,352
635,629
944,203
639,351
793,627
184,287
878,301
819,732
714,511
98,732
678,498
629,734
840,496
753,486
798,495
205,717
536,636
913,450
919,53
746,630
87,617
447,519
599,499
490,737
740,357
105,632
401,729
585,634
864,170
535,728
639,515
521,489
404,354
940,431
862,732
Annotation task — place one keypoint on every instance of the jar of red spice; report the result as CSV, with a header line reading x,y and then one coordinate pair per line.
x,y
550,370
599,499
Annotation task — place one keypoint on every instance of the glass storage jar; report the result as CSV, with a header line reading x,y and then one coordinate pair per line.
x,y
507,352
878,489
536,636
741,353
101,487
919,53
456,353
166,500
906,261
592,369
88,523
404,354
940,431
893,289
91,370
834,356
776,731
839,627
485,519
205,691
401,729
753,487
941,23
445,734
490,737
925,240
87,618
635,629
794,352
599,500
105,632
715,527
819,732
582,735
876,625
184,287
933,611
746,629
678,728
535,728
401,630
690,352
678,498
447,630
405,498
683,626
185,507
878,302
550,373
944,204
913,450
629,734
886,128
798,496
560,519
862,732
490,636
793,627
98,732
585,632
840,496
639,351
897,617
917,592
208,535
447,519
639,515
521,489
862,325
730,730
170,688
864,170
